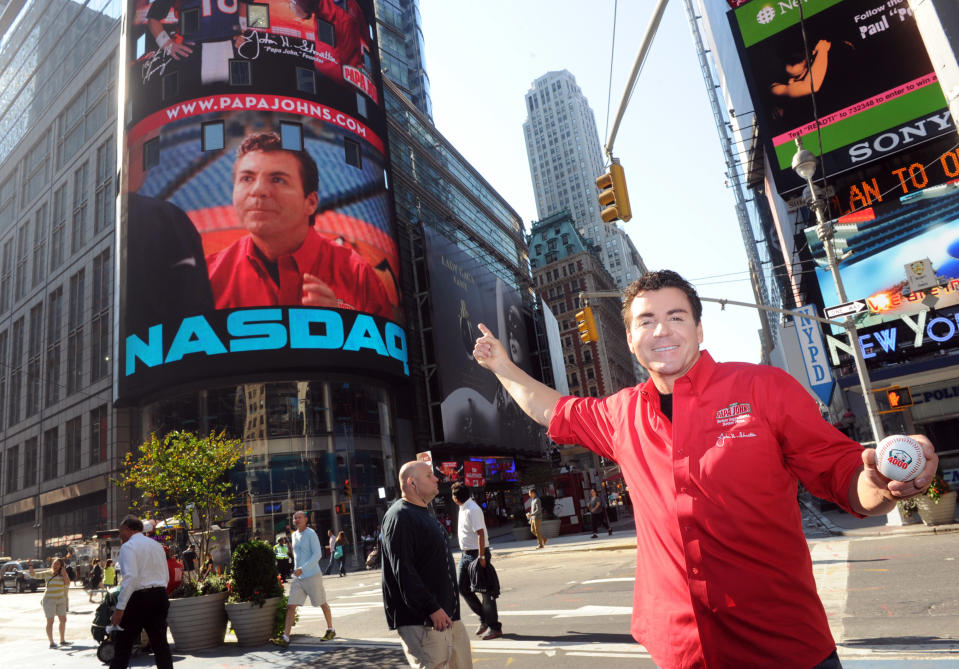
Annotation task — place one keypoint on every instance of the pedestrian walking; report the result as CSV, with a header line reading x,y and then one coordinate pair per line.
x,y
474,546
282,552
420,595
109,575
190,559
723,573
96,577
142,603
535,516
54,600
308,580
339,556
597,510
331,547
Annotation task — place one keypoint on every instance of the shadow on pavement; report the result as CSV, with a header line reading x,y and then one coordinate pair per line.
x,y
924,641
346,656
572,636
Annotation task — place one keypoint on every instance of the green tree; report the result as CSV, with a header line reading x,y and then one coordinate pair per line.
x,y
185,473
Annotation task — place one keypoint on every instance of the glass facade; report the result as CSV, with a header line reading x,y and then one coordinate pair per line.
x,y
325,447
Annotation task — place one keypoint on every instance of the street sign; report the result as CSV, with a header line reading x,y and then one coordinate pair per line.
x,y
814,354
846,309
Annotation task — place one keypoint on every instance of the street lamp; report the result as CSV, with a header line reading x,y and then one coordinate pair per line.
x,y
804,164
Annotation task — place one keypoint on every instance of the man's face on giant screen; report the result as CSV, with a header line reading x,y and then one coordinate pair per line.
x,y
268,196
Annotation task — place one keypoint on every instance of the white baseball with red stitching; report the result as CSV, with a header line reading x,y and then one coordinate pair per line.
x,y
899,457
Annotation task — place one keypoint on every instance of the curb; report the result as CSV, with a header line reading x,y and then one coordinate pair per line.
x,y
877,531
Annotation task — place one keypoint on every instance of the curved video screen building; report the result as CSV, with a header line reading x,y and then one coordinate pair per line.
x,y
258,266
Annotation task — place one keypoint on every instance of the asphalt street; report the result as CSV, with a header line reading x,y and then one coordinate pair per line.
x,y
892,601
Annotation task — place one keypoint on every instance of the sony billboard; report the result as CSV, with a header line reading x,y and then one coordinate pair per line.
x,y
256,233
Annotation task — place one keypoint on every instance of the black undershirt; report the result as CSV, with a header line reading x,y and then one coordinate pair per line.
x,y
666,405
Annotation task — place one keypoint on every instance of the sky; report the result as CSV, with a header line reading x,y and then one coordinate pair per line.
x,y
482,58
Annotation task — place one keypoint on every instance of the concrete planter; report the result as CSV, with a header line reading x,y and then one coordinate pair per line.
x,y
937,514
522,533
197,623
550,528
253,624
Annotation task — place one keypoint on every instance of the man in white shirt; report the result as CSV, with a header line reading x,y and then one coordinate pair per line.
x,y
474,544
308,580
142,603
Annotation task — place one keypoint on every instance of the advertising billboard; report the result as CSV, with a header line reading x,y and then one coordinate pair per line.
x,y
867,79
474,407
256,231
877,253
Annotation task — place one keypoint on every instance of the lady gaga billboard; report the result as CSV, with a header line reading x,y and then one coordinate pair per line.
x,y
256,231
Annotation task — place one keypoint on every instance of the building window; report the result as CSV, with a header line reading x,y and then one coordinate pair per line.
x,y
50,453
98,434
40,244
240,73
213,136
324,32
73,446
13,468
171,85
190,21
3,375
31,461
291,136
85,114
257,16
78,235
51,391
36,169
305,80
34,348
75,334
151,153
20,276
8,202
100,323
353,155
361,108
104,199
59,227
16,372
6,276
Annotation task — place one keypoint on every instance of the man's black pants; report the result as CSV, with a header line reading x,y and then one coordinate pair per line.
x,y
146,610
486,610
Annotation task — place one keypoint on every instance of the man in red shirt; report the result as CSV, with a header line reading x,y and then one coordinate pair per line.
x,y
712,453
283,262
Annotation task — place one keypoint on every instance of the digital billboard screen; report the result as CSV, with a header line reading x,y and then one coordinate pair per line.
x,y
867,79
256,230
464,292
877,251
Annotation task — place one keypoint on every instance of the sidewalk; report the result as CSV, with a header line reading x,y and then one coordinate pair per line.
x,y
839,523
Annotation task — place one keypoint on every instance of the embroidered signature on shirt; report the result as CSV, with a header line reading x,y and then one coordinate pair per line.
x,y
721,439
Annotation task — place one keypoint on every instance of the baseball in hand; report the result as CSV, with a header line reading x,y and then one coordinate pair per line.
x,y
899,457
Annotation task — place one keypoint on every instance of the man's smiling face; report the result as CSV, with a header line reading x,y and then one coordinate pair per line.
x,y
663,335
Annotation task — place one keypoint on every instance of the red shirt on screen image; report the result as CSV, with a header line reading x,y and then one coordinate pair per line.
x,y
723,571
240,278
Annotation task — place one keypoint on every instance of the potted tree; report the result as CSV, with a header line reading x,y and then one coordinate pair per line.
x,y
187,474
255,593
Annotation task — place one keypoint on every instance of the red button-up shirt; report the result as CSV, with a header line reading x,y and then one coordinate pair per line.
x,y
239,277
723,572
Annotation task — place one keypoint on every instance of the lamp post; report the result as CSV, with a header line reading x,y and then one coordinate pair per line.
x,y
804,164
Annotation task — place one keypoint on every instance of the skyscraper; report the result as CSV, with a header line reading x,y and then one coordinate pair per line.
x,y
565,158
401,50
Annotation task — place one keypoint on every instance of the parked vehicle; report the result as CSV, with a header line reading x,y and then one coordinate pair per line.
x,y
15,575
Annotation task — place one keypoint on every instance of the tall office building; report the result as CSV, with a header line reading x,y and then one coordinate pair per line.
x,y
401,50
565,158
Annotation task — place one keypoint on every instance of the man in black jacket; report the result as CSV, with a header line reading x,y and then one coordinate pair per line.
x,y
419,578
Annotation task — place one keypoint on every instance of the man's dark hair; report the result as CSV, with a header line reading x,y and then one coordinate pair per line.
x,y
461,492
658,280
132,523
269,142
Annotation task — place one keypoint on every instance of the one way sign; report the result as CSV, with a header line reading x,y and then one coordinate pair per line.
x,y
845,309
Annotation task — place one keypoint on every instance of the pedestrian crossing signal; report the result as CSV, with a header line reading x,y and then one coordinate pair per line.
x,y
893,399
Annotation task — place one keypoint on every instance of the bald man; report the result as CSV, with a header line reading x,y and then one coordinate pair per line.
x,y
419,578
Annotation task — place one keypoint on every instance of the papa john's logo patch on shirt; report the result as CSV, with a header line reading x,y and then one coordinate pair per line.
x,y
735,413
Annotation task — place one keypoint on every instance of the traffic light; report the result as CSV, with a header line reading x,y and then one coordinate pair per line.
x,y
348,488
586,325
613,196
892,399
342,509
